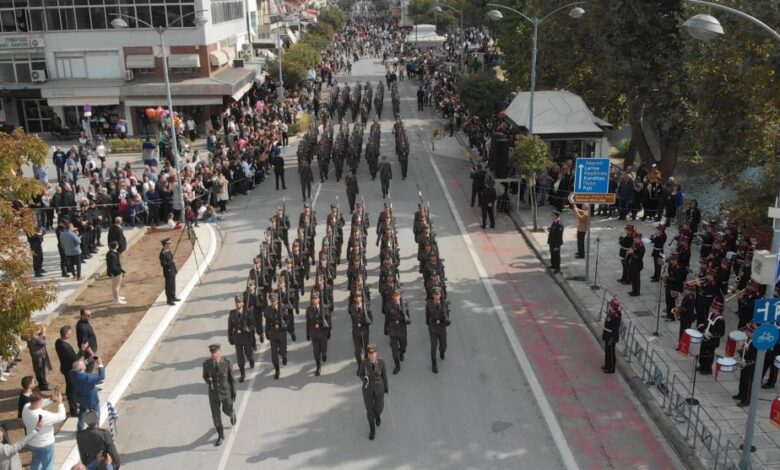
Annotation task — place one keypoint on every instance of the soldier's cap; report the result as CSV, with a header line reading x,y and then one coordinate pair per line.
x,y
239,299
333,205
214,347
165,241
358,294
315,295
273,297
371,348
556,213
436,290
396,291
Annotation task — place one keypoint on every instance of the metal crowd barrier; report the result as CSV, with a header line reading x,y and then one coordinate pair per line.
x,y
701,430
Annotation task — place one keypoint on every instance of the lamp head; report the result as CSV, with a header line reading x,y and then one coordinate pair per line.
x,y
201,19
437,9
703,27
495,15
119,23
576,12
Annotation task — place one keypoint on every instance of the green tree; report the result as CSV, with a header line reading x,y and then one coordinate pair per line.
x,y
20,296
333,16
419,8
531,157
483,94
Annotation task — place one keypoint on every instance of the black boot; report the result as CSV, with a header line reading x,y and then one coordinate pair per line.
x,y
220,437
397,369
276,374
378,421
372,434
434,367
243,375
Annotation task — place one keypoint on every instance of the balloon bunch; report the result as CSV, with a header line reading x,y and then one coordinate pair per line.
x,y
163,116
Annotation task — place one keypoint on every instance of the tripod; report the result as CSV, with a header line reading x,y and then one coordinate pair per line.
x,y
192,237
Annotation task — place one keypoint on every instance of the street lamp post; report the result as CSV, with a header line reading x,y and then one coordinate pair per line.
x,y
120,22
462,34
576,12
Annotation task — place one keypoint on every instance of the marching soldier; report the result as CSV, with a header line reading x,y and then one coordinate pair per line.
x,y
241,334
385,175
168,265
611,335
255,303
361,320
318,330
307,178
396,320
374,376
437,317
276,332
352,189
288,299
283,226
218,375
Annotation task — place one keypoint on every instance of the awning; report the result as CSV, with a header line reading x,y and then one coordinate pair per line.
x,y
155,101
218,58
81,101
242,91
140,61
184,61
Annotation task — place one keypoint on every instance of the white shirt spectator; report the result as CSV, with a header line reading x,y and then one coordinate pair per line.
x,y
45,436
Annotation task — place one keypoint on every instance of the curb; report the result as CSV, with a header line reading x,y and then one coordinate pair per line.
x,y
673,436
140,355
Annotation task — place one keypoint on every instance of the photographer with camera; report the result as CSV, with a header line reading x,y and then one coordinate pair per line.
x,y
85,387
96,446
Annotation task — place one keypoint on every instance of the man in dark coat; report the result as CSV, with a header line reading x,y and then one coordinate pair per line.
x,y
352,189
168,265
385,175
488,202
477,184
555,240
117,234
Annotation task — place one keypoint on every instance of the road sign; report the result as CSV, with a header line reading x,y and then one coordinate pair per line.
x,y
594,198
766,311
765,337
592,176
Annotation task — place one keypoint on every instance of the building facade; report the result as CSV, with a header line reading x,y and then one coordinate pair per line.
x,y
58,56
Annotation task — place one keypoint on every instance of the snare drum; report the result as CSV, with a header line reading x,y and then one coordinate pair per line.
x,y
736,340
690,342
727,364
695,335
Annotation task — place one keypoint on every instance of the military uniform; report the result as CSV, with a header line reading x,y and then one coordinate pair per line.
x,y
374,377
168,265
385,175
396,320
218,375
361,320
437,318
276,332
318,332
555,240
610,336
241,334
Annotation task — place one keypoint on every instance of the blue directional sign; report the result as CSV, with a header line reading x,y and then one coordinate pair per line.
x,y
766,310
765,337
592,176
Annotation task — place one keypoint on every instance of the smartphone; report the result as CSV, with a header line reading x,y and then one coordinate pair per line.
x,y
94,358
40,418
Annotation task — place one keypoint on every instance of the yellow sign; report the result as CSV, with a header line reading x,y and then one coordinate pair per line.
x,y
594,198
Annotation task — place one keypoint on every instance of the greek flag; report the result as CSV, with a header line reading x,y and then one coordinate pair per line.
x,y
113,416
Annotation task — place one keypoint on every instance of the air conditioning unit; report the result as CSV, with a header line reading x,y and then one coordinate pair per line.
x,y
129,75
37,42
246,55
246,47
38,76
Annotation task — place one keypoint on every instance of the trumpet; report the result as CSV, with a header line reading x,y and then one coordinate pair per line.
x,y
737,294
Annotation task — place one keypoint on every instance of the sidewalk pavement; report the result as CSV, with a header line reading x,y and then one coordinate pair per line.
x,y
69,288
130,357
714,396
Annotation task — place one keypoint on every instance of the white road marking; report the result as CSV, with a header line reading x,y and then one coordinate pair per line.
x,y
316,195
522,358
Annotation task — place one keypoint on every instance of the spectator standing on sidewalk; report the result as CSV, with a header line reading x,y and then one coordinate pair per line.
x,y
40,357
555,240
85,388
42,445
9,453
67,356
115,271
71,245
85,333
28,384
116,233
583,215
95,444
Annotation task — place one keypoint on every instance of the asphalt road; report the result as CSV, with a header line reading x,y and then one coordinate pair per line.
x,y
486,408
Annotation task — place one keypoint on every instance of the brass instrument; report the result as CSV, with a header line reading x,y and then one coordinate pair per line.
x,y
677,304
735,294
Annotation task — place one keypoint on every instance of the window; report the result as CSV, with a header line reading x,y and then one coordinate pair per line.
x,y
66,15
89,64
17,68
226,10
